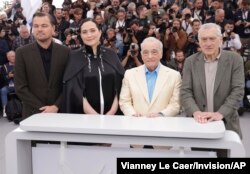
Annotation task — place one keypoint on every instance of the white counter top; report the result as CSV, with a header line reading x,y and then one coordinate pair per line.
x,y
182,127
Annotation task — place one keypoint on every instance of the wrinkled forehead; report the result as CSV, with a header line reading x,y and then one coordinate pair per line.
x,y
150,45
209,34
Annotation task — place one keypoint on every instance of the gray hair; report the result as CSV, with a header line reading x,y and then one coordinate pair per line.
x,y
219,11
152,39
131,5
210,26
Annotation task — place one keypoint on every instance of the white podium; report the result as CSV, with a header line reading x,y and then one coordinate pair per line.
x,y
121,130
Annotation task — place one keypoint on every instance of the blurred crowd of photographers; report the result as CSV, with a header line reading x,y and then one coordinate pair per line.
x,y
126,23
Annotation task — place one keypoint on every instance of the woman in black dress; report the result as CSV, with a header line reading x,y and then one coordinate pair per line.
x,y
93,77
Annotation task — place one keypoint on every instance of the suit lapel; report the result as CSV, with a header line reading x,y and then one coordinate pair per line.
x,y
38,62
141,81
221,68
200,67
160,82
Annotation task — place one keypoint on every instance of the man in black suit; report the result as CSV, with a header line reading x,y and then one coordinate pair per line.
x,y
39,69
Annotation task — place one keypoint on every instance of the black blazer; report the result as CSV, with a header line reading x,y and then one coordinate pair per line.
x,y
31,84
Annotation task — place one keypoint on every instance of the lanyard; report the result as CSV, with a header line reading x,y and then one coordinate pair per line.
x,y
244,15
198,15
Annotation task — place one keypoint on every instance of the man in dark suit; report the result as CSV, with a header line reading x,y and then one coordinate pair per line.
x,y
213,81
39,69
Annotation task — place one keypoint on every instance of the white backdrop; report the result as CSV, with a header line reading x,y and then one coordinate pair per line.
x,y
30,7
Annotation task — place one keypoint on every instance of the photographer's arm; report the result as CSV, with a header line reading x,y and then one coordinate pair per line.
x,y
125,60
137,62
134,40
189,4
166,37
126,38
247,24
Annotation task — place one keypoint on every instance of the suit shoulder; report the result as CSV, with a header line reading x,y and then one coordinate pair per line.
x,y
194,57
169,70
61,47
230,55
26,47
134,70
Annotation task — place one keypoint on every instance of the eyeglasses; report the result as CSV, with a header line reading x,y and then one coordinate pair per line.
x,y
153,52
153,5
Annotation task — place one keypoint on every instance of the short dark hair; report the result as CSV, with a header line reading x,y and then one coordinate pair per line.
x,y
89,20
135,21
140,8
195,20
179,51
230,22
42,14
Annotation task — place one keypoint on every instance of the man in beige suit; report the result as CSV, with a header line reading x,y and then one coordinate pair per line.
x,y
151,89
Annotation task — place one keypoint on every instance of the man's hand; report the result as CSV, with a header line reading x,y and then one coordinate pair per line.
x,y
176,36
49,109
200,117
204,117
214,116
11,75
137,115
239,22
152,115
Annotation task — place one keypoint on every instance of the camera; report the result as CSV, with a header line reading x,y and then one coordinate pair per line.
x,y
130,31
121,29
171,11
74,31
211,11
193,38
111,11
162,28
156,15
9,21
174,29
187,16
17,5
133,49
